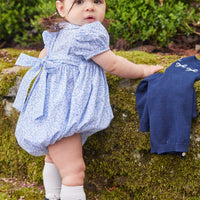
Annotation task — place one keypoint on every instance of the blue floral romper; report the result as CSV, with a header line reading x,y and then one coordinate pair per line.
x,y
70,92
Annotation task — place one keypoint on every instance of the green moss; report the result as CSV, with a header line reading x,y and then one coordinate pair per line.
x,y
7,59
9,56
123,161
6,82
15,189
15,52
118,159
140,57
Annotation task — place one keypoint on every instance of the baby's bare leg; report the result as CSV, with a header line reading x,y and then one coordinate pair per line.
x,y
67,155
68,158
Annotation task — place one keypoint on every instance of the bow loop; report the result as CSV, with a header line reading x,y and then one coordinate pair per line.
x,y
36,65
48,66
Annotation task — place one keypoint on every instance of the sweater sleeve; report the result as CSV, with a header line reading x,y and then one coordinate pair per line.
x,y
194,106
142,101
142,106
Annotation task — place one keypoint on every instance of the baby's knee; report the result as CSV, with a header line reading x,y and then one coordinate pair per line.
x,y
75,175
48,158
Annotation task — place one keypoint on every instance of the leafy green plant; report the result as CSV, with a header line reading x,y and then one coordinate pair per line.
x,y
144,20
138,20
20,20
16,19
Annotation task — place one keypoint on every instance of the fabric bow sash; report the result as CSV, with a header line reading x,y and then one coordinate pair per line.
x,y
36,65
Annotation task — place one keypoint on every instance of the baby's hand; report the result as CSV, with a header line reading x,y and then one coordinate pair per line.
x,y
151,69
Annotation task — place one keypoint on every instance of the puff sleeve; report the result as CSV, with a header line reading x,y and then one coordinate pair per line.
x,y
48,38
91,39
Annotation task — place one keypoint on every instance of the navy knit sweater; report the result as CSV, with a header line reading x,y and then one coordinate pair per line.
x,y
166,104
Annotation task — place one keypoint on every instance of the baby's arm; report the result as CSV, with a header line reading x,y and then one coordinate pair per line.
x,y
120,66
43,53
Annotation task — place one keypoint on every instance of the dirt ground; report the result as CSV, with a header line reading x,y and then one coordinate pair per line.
x,y
180,45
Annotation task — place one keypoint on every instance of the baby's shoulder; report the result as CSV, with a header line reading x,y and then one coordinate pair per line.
x,y
90,39
47,35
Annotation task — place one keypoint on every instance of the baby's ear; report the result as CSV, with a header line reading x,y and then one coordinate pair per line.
x,y
60,8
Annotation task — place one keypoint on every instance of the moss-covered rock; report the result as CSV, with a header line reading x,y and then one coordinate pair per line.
x,y
118,159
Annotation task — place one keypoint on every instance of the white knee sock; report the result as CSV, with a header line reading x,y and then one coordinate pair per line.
x,y
72,193
52,181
